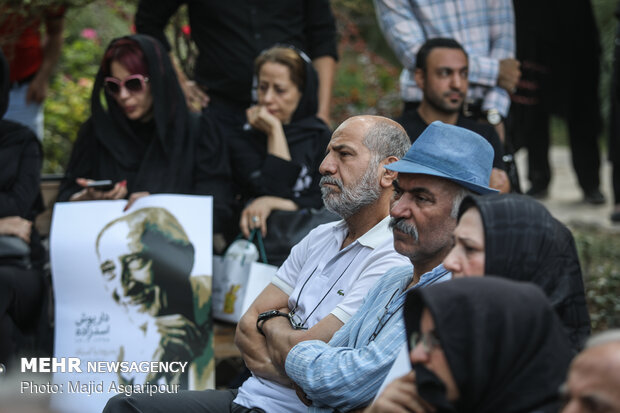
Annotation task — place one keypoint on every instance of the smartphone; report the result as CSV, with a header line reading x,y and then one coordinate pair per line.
x,y
102,185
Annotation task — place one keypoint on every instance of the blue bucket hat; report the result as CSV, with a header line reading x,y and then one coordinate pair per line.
x,y
450,152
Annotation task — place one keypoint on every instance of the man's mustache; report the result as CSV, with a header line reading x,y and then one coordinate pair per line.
x,y
402,226
331,180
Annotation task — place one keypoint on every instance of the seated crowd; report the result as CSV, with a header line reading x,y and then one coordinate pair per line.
x,y
482,291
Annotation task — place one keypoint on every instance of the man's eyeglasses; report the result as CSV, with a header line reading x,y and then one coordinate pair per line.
x,y
134,84
296,322
429,341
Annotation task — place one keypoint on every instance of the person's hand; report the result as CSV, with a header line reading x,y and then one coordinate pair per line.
x,y
400,396
500,128
509,74
134,197
195,97
499,180
17,226
260,118
91,194
37,90
180,338
325,118
255,216
301,395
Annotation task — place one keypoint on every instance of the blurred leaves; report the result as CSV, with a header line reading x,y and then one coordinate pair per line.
x,y
68,104
366,82
599,253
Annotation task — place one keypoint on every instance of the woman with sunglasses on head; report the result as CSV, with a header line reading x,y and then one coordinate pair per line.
x,y
483,345
276,160
145,140
513,236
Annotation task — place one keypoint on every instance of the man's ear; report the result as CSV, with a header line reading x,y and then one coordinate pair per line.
x,y
419,77
387,175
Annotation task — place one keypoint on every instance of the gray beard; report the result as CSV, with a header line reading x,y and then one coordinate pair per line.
x,y
350,200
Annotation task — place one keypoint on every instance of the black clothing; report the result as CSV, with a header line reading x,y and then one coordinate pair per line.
x,y
230,34
503,343
559,49
175,152
21,289
21,158
524,242
614,114
414,126
257,173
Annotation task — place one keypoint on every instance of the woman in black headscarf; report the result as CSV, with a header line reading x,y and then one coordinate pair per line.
x,y
276,162
144,139
21,253
514,236
483,345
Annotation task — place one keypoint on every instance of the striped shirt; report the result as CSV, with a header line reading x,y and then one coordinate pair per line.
x,y
485,28
347,372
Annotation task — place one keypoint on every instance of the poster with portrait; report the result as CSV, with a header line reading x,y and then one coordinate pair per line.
x,y
132,298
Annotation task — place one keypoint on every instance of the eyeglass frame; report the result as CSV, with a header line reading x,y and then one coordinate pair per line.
x,y
122,84
429,341
296,325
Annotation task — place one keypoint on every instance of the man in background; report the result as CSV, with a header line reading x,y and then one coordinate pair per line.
x,y
485,29
441,73
594,376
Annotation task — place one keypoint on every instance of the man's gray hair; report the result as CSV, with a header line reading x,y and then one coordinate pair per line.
x,y
386,138
606,337
459,196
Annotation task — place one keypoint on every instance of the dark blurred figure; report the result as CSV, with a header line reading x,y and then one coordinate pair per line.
x,y
614,127
230,34
559,47
21,253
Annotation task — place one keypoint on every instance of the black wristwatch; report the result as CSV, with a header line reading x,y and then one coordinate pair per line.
x,y
262,317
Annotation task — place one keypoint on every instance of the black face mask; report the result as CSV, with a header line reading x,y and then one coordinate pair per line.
x,y
432,389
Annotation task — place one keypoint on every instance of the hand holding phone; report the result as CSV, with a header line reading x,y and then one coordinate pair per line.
x,y
101,185
99,190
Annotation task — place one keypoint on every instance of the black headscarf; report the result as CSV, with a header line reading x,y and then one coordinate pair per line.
x,y
307,137
175,152
156,156
503,343
524,242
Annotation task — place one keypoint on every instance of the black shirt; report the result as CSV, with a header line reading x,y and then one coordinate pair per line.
x,y
230,34
414,126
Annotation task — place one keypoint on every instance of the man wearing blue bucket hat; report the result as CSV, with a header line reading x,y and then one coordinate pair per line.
x,y
442,166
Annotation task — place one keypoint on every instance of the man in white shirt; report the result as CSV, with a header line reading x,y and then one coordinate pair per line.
x,y
322,283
